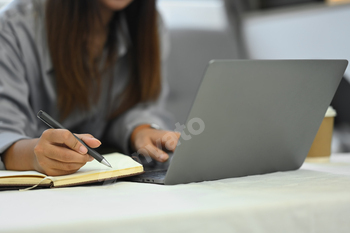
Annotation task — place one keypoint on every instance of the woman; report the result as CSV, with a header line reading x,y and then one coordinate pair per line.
x,y
93,64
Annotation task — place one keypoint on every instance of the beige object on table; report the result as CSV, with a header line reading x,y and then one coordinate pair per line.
x,y
337,1
320,150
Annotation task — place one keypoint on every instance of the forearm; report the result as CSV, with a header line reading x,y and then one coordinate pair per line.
x,y
20,156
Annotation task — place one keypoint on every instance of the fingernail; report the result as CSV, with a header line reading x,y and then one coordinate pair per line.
x,y
83,150
97,141
163,157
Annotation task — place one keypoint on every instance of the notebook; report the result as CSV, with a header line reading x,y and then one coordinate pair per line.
x,y
91,172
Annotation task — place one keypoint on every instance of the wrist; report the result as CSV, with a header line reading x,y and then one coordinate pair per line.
x,y
20,156
135,132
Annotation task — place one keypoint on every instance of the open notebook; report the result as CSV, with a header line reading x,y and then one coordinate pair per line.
x,y
92,172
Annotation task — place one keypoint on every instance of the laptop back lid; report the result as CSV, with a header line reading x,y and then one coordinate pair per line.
x,y
254,117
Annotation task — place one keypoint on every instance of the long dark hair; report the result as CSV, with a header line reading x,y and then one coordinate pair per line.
x,y
69,29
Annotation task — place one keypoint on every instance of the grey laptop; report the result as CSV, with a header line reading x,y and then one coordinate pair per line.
x,y
251,117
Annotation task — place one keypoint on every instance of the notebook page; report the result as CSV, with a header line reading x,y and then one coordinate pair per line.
x,y
8,173
117,161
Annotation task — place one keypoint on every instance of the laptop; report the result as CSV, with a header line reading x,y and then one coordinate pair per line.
x,y
250,117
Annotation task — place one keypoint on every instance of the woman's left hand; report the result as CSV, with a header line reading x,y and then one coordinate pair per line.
x,y
153,143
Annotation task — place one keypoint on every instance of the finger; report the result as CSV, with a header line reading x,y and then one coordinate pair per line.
x,y
169,140
66,167
66,155
54,172
58,172
89,140
63,136
154,152
54,167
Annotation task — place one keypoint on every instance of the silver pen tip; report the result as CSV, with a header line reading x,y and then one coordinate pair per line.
x,y
105,162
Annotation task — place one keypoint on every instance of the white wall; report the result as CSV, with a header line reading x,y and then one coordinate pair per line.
x,y
4,2
312,31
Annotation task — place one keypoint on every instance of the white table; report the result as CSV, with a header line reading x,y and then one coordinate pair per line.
x,y
315,198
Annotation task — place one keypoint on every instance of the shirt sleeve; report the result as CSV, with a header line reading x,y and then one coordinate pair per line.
x,y
15,122
155,112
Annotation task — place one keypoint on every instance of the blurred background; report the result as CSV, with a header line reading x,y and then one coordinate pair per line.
x,y
202,30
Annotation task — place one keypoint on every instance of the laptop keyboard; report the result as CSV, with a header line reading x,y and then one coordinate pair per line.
x,y
155,175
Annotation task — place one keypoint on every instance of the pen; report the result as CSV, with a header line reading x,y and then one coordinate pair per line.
x,y
47,119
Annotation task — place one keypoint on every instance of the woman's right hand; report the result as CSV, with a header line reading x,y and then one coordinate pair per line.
x,y
58,152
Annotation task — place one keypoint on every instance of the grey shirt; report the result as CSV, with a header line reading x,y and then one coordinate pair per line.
x,y
27,84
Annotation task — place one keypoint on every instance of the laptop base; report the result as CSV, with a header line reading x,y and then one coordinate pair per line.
x,y
154,177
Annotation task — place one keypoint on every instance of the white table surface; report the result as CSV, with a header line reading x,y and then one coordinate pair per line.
x,y
315,198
